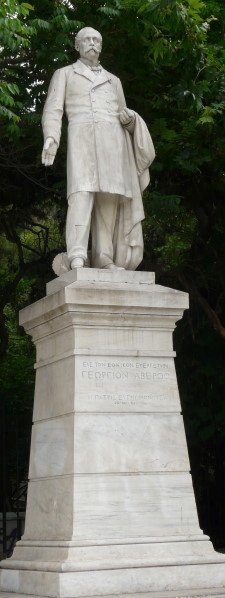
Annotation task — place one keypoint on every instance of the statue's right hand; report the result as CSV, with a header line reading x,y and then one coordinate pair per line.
x,y
49,151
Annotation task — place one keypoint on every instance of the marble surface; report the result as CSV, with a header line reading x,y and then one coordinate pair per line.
x,y
200,593
113,445
109,151
119,581
110,508
99,275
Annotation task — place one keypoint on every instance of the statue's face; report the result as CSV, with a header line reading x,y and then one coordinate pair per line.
x,y
89,44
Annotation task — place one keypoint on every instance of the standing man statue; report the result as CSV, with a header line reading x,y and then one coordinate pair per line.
x,y
109,152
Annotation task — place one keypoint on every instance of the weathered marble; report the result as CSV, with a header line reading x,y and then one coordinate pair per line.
x,y
111,508
109,151
213,593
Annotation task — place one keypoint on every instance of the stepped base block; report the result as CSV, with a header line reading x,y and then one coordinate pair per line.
x,y
201,593
105,582
110,509
108,570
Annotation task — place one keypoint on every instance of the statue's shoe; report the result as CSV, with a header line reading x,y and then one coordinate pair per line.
x,y
77,262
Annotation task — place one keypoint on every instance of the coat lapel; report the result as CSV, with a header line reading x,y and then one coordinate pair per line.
x,y
81,69
103,77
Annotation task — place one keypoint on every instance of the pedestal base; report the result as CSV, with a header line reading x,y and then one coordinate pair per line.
x,y
200,593
110,507
120,581
108,570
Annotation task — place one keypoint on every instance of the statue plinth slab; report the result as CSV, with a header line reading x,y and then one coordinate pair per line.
x,y
110,507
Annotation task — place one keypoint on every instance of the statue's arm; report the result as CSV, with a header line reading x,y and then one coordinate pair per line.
x,y
52,116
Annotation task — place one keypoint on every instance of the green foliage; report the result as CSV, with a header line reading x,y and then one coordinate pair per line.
x,y
14,30
15,34
16,371
167,213
23,56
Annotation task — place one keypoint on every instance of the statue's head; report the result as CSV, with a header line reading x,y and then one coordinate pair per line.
x,y
88,42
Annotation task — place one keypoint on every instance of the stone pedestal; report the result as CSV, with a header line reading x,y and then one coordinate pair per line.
x,y
111,508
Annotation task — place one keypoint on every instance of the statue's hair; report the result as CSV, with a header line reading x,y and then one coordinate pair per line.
x,y
82,31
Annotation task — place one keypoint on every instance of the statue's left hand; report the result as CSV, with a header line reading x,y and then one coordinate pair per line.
x,y
127,116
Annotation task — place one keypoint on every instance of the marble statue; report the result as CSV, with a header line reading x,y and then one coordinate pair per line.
x,y
108,156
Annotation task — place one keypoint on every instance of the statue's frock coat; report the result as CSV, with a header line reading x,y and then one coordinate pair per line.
x,y
102,156
97,157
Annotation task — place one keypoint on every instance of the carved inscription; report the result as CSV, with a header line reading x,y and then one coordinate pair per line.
x,y
126,399
127,383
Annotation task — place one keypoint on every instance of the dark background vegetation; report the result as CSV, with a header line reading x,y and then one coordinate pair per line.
x,y
170,56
